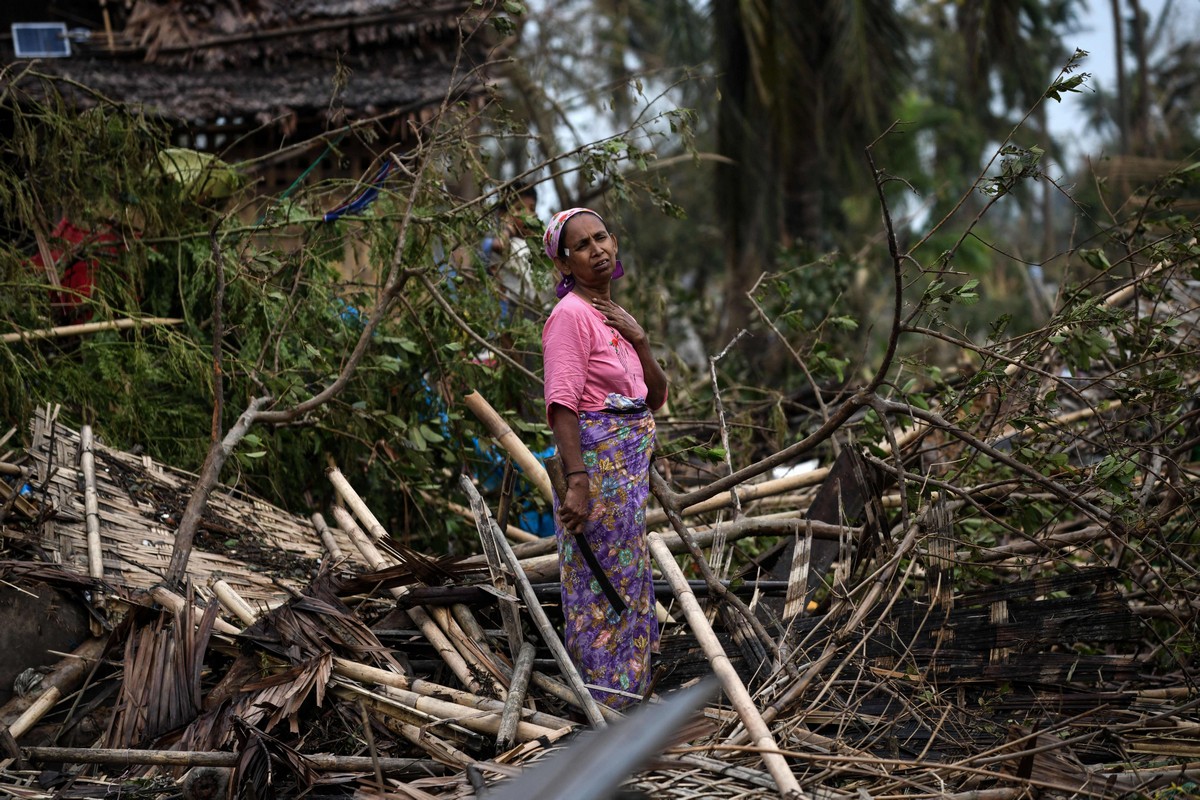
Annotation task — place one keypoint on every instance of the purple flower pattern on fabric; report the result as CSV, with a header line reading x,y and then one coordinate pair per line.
x,y
609,650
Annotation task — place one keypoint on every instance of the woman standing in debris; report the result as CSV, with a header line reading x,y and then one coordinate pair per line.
x,y
601,385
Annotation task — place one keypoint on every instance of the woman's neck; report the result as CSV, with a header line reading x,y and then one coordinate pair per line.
x,y
592,294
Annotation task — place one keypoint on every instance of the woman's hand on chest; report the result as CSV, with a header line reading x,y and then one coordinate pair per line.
x,y
621,321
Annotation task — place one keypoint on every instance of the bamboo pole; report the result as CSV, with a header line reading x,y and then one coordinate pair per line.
x,y
510,613
506,736
63,678
511,531
210,758
504,436
44,702
233,602
91,503
745,494
375,560
477,720
327,537
468,649
85,328
587,702
365,673
345,491
175,604
734,689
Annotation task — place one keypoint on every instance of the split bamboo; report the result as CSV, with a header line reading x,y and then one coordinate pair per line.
x,y
506,736
549,636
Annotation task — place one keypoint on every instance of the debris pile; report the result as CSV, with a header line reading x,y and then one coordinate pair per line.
x,y
319,656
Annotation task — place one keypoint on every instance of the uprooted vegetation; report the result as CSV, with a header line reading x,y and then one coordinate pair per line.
x,y
986,587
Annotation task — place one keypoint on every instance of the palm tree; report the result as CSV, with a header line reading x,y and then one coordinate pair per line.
x,y
804,86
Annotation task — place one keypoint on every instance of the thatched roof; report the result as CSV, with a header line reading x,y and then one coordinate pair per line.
x,y
262,59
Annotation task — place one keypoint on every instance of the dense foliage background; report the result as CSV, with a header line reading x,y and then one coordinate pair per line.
x,y
724,140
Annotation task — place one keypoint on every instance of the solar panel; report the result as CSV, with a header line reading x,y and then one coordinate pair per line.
x,y
41,40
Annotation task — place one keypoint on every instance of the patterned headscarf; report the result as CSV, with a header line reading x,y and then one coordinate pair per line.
x,y
552,238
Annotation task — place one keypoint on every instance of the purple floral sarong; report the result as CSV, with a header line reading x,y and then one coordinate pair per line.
x,y
611,651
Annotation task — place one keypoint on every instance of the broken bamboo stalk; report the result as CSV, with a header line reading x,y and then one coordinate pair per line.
x,y
559,690
356,504
506,737
91,503
365,673
175,604
510,530
438,749
38,709
233,602
745,494
478,641
208,758
480,721
510,612
468,649
327,537
63,677
504,436
432,633
549,636
732,685
85,328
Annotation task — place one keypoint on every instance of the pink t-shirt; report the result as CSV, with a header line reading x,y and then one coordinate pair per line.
x,y
585,360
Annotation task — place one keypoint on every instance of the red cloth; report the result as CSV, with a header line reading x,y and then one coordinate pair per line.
x,y
77,278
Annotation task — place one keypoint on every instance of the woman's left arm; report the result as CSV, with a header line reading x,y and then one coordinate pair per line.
x,y
627,326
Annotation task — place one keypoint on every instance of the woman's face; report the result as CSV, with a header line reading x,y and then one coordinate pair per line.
x,y
591,251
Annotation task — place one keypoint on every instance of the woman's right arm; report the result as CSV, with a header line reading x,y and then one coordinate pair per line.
x,y
572,509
